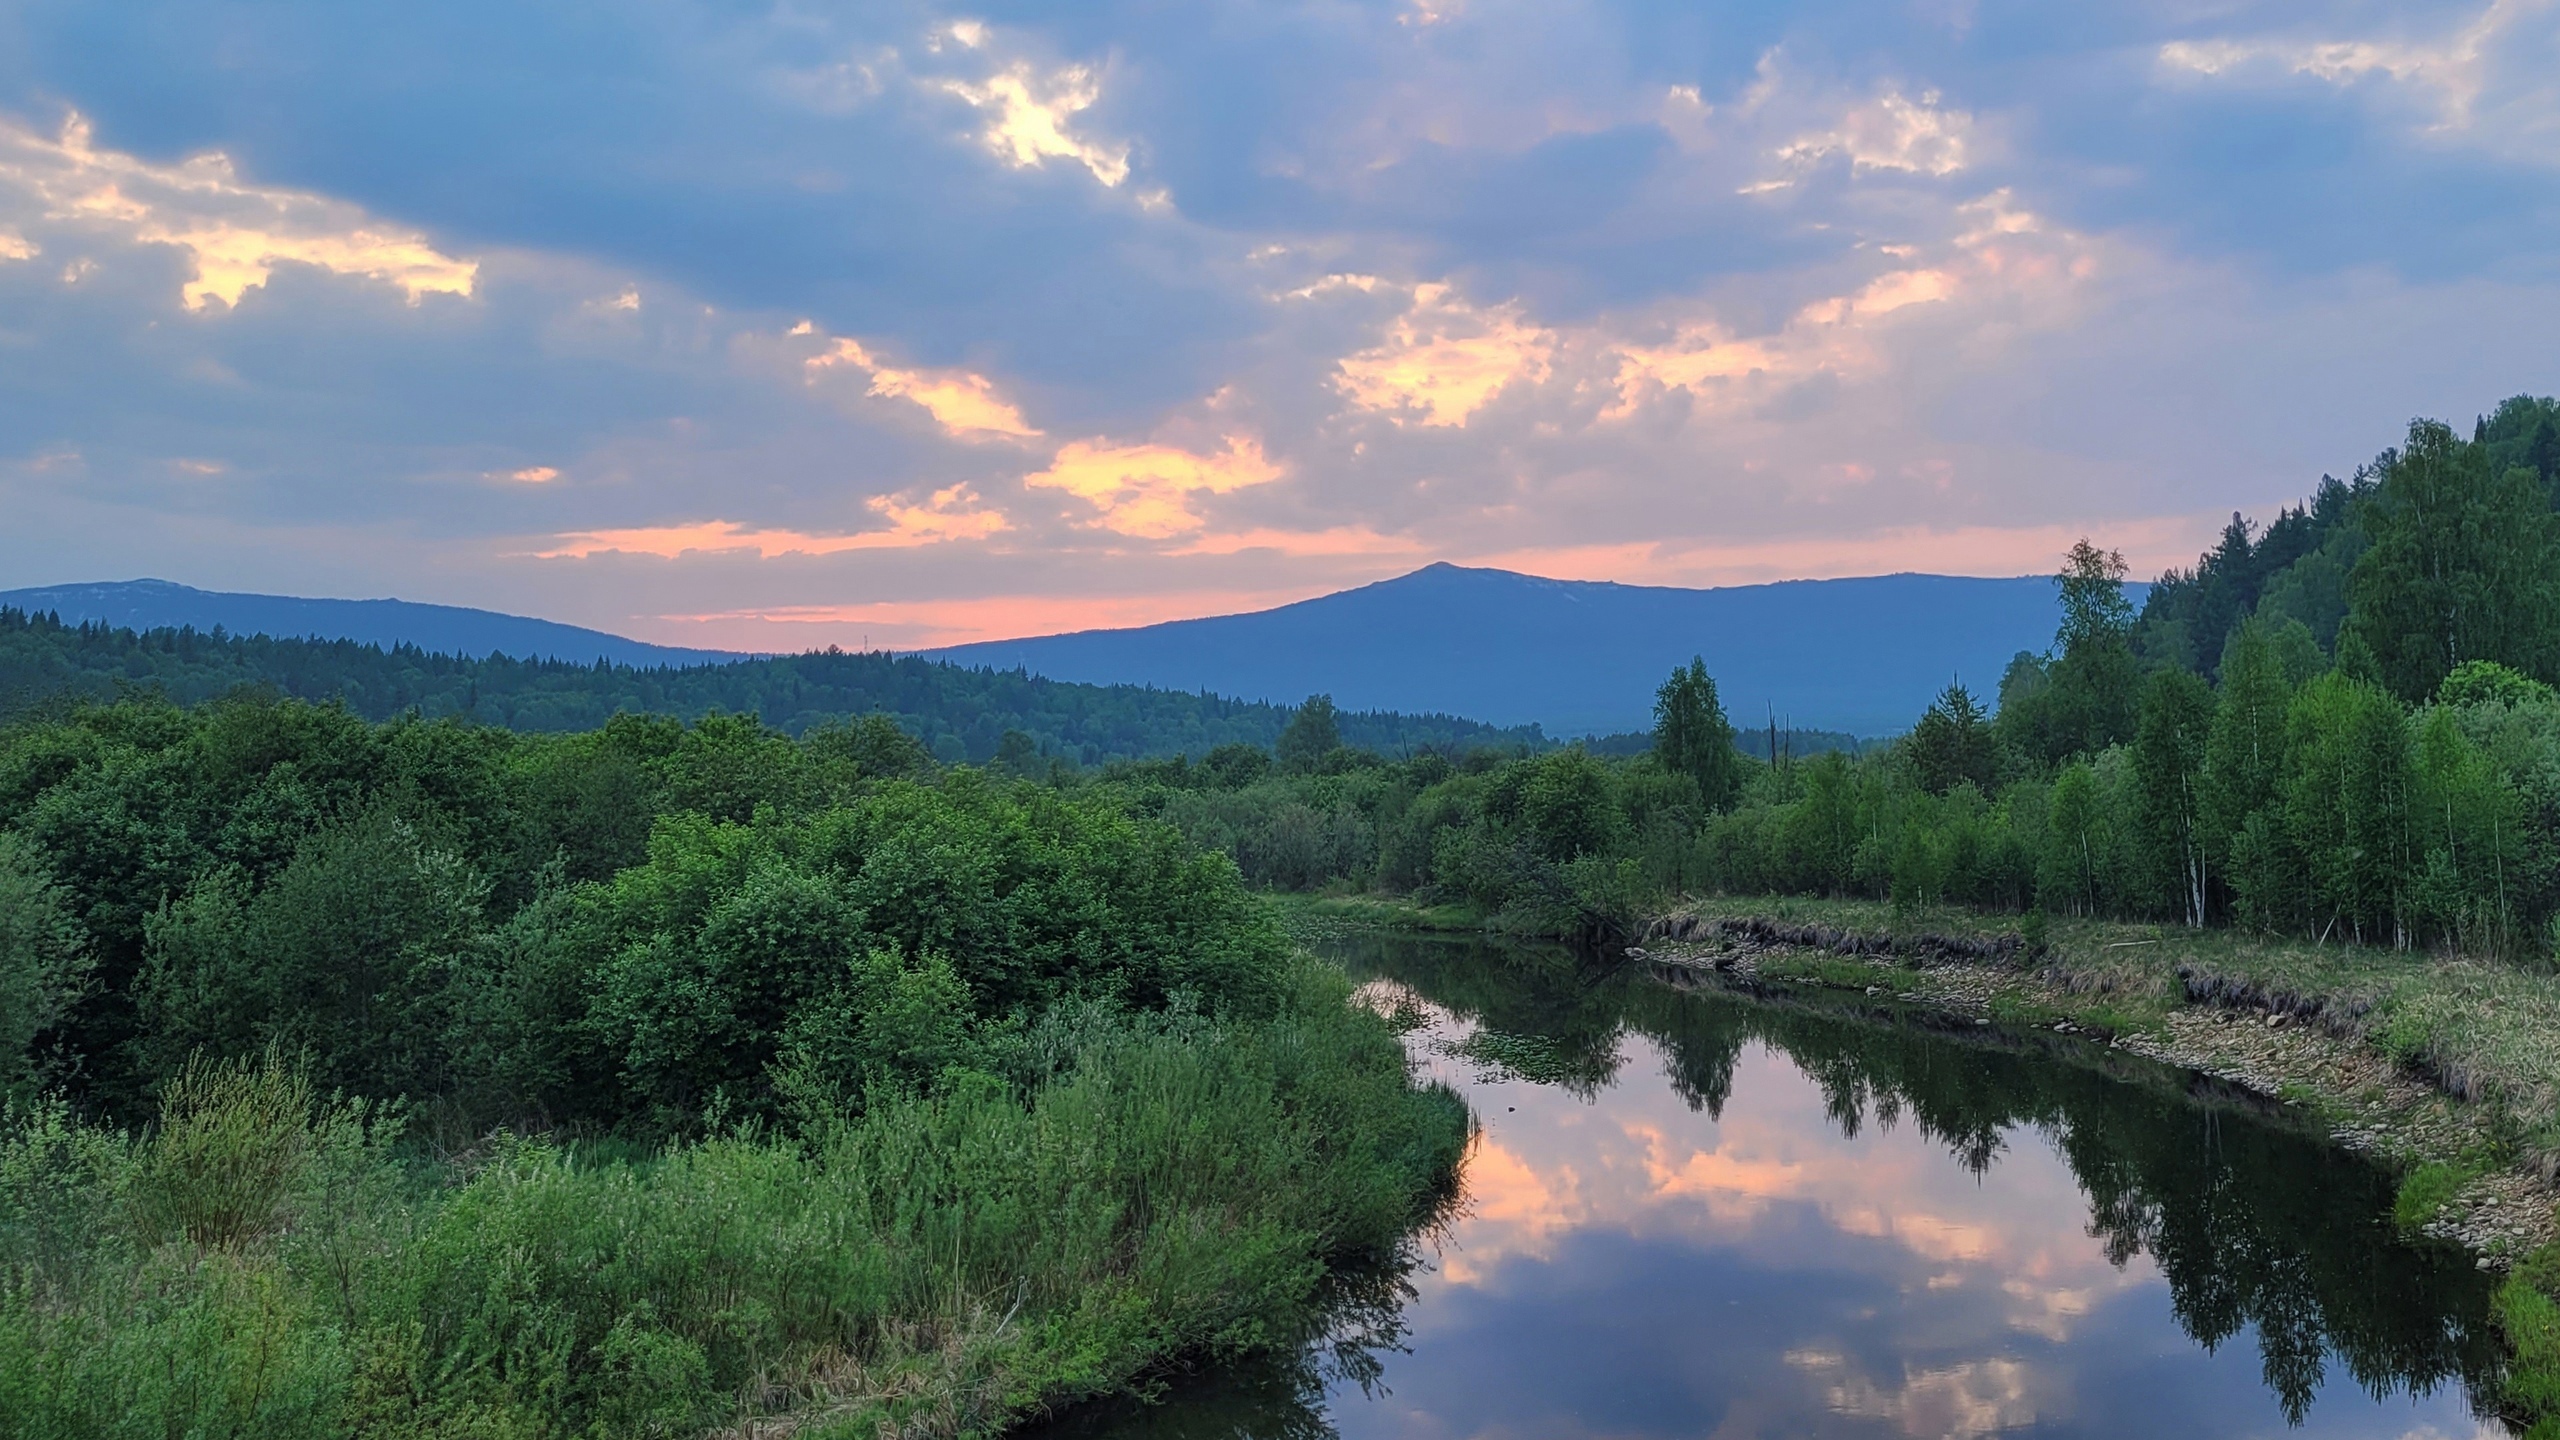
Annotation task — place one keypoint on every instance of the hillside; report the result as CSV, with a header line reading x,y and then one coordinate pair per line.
x,y
959,712
1583,657
438,629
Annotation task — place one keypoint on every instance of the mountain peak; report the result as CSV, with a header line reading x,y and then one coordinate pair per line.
x,y
1864,655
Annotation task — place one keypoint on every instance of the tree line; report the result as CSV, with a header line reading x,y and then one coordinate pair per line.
x,y
961,715
2341,726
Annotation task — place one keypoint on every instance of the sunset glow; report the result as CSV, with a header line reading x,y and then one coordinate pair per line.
x,y
1051,321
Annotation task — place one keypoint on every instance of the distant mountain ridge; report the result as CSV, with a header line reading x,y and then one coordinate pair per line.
x,y
1861,656
1580,656
438,629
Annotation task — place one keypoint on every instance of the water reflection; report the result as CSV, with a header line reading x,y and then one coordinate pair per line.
x,y
1825,1224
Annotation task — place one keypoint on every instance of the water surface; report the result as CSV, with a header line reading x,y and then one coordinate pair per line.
x,y
1697,1214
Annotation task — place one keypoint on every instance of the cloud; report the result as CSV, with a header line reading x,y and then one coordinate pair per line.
x,y
963,402
234,233
1027,117
1481,290
1334,540
1444,359
2486,81
1148,491
1893,132
1975,1397
949,515
2001,257
535,474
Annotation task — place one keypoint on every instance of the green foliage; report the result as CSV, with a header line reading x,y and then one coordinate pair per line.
x,y
2170,747
960,715
1145,1188
44,959
2529,1317
2299,797
2530,1320
2464,565
343,955
1691,736
1536,1059
1953,744
2081,699
2293,570
883,1093
1312,733
2094,610
2486,682
240,1146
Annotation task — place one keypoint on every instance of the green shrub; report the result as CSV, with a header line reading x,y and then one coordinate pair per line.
x,y
1148,1186
233,1141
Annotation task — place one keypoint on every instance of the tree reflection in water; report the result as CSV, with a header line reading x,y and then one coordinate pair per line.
x,y
2251,1221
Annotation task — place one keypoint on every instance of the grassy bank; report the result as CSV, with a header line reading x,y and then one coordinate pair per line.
x,y
2485,1031
1147,1189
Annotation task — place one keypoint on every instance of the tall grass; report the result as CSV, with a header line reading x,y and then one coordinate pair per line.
x,y
1148,1188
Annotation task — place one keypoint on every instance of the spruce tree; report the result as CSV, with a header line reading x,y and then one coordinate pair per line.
x,y
1953,743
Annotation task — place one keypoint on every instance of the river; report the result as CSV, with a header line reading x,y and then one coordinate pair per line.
x,y
1695,1213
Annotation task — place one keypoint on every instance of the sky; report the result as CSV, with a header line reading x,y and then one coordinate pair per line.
x,y
770,326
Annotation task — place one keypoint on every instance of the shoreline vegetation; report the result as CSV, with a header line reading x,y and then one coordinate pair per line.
x,y
427,1080
267,1263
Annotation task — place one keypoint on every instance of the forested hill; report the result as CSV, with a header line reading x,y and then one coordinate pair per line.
x,y
2296,568
962,713
442,629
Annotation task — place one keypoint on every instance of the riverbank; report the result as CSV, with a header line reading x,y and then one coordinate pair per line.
x,y
2447,1067
2434,1065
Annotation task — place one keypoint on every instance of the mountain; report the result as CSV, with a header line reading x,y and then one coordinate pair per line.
x,y
437,629
1583,657
958,712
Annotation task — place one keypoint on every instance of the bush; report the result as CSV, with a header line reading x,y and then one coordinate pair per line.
x,y
1148,1187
